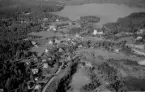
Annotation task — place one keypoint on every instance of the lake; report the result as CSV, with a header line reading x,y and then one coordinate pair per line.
x,y
107,12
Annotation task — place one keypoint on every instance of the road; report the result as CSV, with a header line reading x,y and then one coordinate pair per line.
x,y
49,82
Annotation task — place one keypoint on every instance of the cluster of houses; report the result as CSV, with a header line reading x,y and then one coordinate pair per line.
x,y
67,25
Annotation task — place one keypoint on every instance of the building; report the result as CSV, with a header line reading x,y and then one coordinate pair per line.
x,y
57,20
50,42
37,87
116,50
60,50
139,38
139,46
34,71
34,43
46,51
45,65
141,62
136,46
52,27
45,19
95,32
141,31
88,64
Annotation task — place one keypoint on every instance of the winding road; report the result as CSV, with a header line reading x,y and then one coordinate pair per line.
x,y
49,82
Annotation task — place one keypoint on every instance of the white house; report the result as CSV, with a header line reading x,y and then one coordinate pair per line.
x,y
141,62
44,60
52,27
95,32
50,42
140,31
48,29
46,51
139,38
45,65
139,46
88,64
34,71
116,50
36,78
45,19
60,50
1,90
28,13
37,87
34,43
57,41
100,32
57,20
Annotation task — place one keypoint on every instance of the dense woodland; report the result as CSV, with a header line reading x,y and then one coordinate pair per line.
x,y
14,25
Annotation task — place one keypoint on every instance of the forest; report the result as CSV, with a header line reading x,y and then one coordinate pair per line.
x,y
14,27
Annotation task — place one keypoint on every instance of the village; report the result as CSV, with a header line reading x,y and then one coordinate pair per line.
x,y
57,44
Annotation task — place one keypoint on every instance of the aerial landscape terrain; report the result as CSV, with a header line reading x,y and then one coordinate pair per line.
x,y
72,45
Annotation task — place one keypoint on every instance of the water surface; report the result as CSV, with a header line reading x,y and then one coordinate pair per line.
x,y
107,12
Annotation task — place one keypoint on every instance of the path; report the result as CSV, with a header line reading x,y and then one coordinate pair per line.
x,y
49,82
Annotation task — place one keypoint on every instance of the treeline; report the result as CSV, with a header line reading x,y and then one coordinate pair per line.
x,y
90,19
14,74
128,83
129,24
15,23
64,84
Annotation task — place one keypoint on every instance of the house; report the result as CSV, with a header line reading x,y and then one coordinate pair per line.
x,y
95,32
57,20
139,46
27,13
141,62
34,71
45,65
36,78
57,41
48,29
60,50
46,51
78,36
136,46
44,60
80,46
141,31
34,43
45,19
139,38
52,27
37,87
50,42
116,50
88,64
1,90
